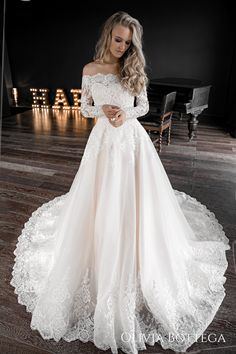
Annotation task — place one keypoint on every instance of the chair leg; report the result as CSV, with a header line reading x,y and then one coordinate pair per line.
x,y
160,142
155,140
169,130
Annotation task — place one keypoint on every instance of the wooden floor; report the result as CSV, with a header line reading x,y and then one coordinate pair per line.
x,y
41,153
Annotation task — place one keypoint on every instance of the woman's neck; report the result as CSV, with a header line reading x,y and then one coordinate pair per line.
x,y
110,66
110,60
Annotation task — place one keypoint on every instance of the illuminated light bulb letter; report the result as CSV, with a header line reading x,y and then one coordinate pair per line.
x,y
42,97
61,100
76,98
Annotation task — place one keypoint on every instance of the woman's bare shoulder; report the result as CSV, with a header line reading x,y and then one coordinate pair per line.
x,y
91,68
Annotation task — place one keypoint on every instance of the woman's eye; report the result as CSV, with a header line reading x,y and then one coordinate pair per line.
x,y
119,41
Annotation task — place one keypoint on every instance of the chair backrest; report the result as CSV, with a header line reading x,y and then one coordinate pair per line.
x,y
200,96
168,102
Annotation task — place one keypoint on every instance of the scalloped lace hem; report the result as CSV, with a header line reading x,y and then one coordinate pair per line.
x,y
97,320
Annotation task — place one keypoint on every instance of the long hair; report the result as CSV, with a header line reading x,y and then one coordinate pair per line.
x,y
132,64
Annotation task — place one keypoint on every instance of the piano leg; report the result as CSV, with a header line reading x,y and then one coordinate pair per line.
x,y
192,126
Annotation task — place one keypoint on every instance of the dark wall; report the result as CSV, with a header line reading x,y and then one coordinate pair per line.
x,y
48,46
231,99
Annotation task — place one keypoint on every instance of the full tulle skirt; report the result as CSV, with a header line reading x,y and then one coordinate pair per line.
x,y
122,259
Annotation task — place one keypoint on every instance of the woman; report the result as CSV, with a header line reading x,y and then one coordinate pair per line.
x,y
122,259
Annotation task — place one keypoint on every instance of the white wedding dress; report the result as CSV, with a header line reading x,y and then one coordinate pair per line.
x,y
122,259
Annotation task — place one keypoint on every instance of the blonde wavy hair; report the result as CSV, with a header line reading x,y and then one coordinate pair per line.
x,y
132,64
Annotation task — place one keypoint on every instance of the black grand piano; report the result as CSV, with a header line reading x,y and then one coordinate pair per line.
x,y
191,97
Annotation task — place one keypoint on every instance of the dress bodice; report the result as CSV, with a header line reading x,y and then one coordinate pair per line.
x,y
100,89
106,89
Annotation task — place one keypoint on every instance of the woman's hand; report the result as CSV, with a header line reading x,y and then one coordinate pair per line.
x,y
120,118
110,110
115,115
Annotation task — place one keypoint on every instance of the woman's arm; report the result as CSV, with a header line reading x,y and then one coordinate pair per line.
x,y
142,106
87,108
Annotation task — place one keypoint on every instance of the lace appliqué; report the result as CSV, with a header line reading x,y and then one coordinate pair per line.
x,y
142,318
87,107
93,318
142,106
117,144
113,141
116,95
34,252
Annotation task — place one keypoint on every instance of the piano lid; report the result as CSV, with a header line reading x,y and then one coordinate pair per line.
x,y
178,82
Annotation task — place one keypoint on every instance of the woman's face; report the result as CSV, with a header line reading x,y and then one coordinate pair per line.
x,y
121,38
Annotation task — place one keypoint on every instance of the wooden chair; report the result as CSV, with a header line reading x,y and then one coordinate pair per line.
x,y
194,108
158,120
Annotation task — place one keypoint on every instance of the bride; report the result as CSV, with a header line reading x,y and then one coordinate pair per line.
x,y
122,259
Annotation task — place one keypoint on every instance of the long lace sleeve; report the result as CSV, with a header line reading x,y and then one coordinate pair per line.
x,y
87,108
142,106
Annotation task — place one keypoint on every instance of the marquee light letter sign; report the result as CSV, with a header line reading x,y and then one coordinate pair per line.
x,y
76,98
41,99
61,99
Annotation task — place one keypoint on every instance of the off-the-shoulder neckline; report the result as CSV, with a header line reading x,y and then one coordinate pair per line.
x,y
101,74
